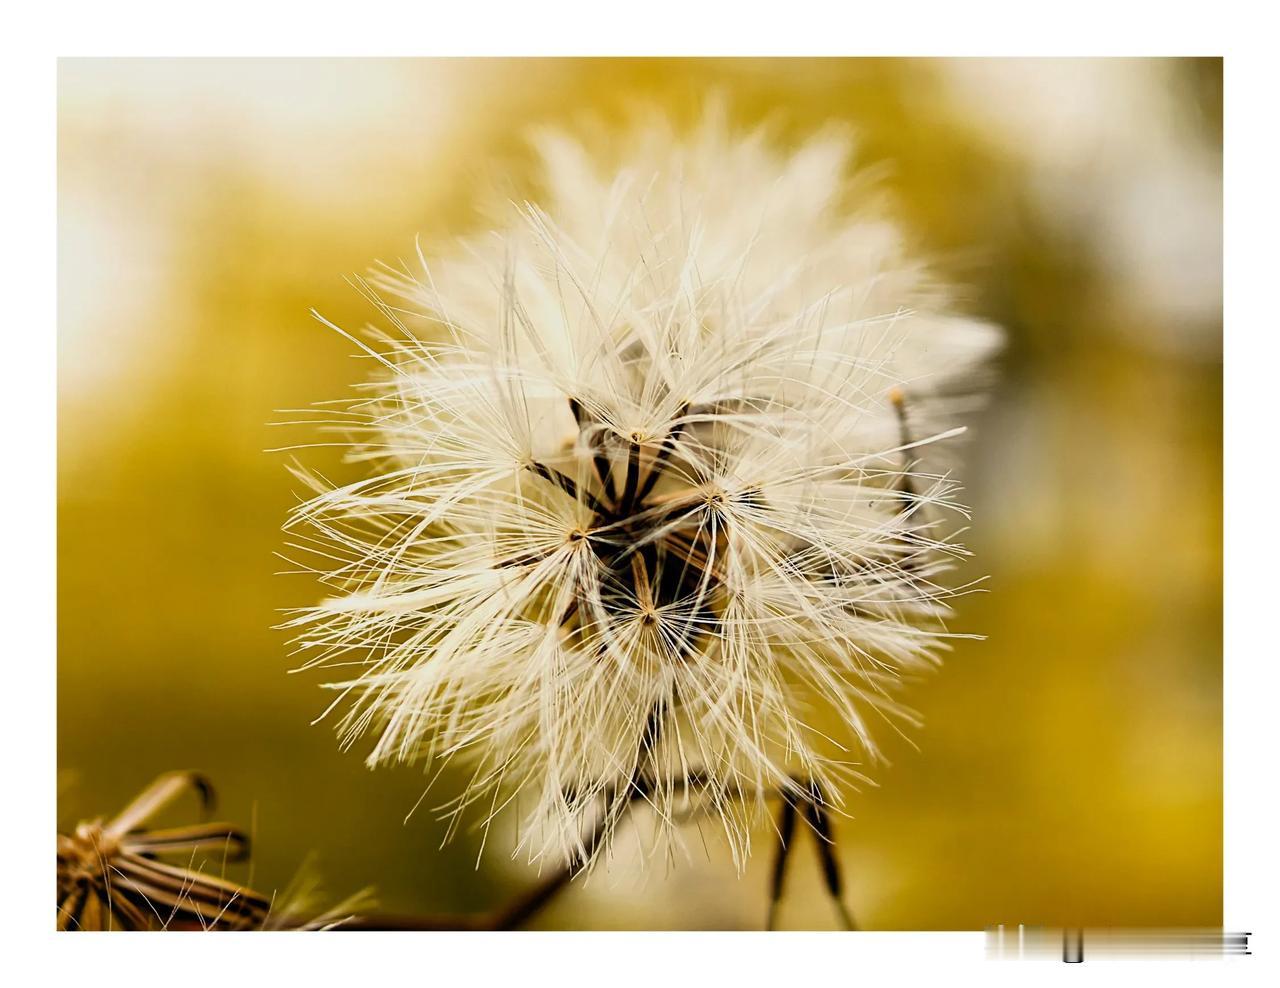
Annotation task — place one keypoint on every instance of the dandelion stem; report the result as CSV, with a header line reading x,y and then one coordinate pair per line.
x,y
604,469
659,461
786,831
905,484
820,821
633,479
570,487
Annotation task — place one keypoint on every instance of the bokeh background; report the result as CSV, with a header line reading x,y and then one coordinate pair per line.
x,y
1070,766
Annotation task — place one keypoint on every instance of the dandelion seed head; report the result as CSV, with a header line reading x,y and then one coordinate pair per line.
x,y
649,498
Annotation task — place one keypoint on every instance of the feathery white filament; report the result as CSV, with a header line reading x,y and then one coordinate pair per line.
x,y
645,503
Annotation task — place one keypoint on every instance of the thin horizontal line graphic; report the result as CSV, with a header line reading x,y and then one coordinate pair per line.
x,y
1073,945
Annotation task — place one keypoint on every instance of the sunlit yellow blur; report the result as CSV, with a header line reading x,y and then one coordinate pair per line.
x,y
1070,766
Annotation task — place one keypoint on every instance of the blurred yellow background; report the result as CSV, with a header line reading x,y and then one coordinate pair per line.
x,y
1070,766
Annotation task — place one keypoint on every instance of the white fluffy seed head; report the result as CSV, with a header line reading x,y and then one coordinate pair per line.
x,y
647,505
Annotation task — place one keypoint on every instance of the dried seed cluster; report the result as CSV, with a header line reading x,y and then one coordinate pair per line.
x,y
111,876
650,499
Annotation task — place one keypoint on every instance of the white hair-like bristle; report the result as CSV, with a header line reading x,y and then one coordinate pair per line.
x,y
647,503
